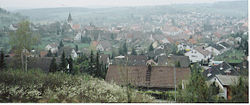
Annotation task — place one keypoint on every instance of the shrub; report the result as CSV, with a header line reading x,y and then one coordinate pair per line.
x,y
37,86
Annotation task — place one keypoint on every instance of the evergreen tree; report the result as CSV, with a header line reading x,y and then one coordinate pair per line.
x,y
133,51
76,47
121,51
239,92
98,66
53,65
2,61
91,63
70,62
125,49
151,48
49,54
61,44
196,90
63,64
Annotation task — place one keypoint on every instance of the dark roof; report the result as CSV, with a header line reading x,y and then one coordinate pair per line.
x,y
184,60
225,44
161,76
67,50
221,69
218,47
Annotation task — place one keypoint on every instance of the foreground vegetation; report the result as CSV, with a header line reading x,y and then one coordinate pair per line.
x,y
37,86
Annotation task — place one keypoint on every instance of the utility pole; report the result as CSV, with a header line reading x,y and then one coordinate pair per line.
x,y
175,83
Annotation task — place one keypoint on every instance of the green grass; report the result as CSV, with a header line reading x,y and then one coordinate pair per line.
x,y
37,86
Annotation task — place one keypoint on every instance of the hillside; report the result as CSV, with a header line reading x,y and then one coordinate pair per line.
x,y
132,14
37,86
7,18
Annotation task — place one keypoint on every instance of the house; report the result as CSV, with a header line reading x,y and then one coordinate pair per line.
x,y
220,69
173,60
225,45
53,47
13,27
224,82
68,51
103,46
198,54
213,50
78,37
154,77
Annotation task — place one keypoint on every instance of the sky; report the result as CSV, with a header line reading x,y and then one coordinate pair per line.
x,y
30,4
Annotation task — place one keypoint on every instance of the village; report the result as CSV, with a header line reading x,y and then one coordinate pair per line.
x,y
158,53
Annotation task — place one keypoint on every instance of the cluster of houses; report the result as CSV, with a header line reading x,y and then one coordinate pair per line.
x,y
157,69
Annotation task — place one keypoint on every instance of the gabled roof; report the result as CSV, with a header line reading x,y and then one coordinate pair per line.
x,y
225,44
161,76
105,44
218,47
67,50
220,69
202,50
227,80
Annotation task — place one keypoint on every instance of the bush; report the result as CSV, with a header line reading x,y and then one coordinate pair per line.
x,y
37,86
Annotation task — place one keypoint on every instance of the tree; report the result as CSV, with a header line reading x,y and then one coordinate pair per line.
x,y
214,90
61,44
177,64
2,61
76,47
239,92
133,51
49,54
53,65
63,64
125,49
196,90
91,63
151,48
98,66
22,38
70,62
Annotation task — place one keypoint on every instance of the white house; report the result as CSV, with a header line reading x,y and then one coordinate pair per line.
x,y
198,54
52,47
78,37
213,50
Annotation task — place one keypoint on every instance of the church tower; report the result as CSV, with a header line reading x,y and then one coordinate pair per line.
x,y
69,20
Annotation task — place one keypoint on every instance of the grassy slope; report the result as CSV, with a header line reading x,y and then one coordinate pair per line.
x,y
36,86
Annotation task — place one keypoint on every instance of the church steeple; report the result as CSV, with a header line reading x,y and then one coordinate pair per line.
x,y
69,18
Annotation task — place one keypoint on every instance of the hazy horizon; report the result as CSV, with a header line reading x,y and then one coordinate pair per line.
x,y
36,4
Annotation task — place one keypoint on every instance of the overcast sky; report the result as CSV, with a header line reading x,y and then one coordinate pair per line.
x,y
27,4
